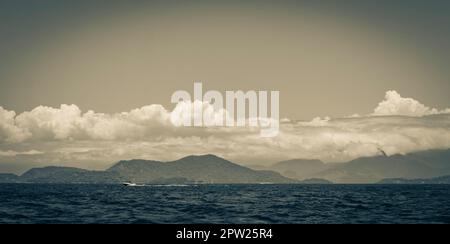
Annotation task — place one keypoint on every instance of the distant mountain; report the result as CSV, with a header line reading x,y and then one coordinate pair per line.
x,y
54,174
373,169
188,170
424,164
438,159
213,169
205,169
436,180
8,178
316,181
299,168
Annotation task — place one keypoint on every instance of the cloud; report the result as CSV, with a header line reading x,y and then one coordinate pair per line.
x,y
318,121
11,153
147,123
349,138
69,123
9,131
209,116
394,104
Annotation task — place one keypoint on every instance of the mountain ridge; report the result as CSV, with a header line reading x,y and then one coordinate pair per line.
x,y
191,169
203,168
371,169
210,168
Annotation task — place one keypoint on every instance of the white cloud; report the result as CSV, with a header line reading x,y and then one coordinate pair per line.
x,y
9,131
11,153
209,116
318,121
69,123
394,104
147,123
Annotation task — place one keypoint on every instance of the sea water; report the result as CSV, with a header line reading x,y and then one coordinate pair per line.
x,y
240,204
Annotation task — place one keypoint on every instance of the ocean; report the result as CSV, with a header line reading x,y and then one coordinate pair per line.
x,y
234,204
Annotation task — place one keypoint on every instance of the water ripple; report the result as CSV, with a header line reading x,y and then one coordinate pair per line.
x,y
40,203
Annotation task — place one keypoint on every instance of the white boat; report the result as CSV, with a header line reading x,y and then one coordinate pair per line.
x,y
130,184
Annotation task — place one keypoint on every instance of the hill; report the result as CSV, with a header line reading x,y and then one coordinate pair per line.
x,y
204,168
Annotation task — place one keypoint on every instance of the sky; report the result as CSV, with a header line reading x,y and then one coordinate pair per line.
x,y
86,83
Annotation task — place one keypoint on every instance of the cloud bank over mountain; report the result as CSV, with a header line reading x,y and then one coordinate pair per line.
x,y
89,139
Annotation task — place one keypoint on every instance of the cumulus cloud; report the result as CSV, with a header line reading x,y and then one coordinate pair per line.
x,y
186,113
150,122
9,131
395,104
69,123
